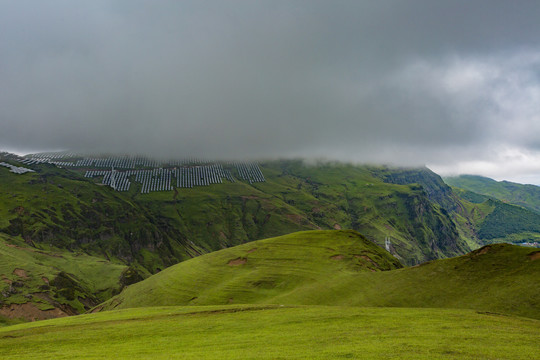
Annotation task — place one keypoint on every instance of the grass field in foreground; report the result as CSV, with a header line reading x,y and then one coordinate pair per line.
x,y
263,332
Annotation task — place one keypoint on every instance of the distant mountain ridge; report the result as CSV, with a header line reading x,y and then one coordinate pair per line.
x,y
527,196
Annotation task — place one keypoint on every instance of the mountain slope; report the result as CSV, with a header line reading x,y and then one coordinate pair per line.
x,y
420,215
40,284
55,207
297,197
497,278
527,196
486,220
259,271
434,186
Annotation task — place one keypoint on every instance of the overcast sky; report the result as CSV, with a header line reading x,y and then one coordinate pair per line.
x,y
452,84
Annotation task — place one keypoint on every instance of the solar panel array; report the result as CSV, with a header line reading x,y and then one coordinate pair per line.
x,y
151,174
250,172
16,169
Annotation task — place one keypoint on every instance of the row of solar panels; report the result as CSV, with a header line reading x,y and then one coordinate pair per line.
x,y
16,169
186,177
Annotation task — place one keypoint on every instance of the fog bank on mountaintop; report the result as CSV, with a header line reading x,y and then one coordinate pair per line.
x,y
453,85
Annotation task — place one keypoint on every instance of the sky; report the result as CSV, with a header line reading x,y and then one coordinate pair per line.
x,y
454,85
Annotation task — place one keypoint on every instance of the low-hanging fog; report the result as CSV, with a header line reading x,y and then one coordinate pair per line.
x,y
454,85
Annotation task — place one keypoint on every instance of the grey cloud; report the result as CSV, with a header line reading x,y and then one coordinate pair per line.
x,y
357,80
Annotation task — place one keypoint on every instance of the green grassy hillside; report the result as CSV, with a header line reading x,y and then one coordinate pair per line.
x,y
422,216
287,270
486,220
527,196
260,271
61,208
268,332
434,186
40,284
297,197
56,207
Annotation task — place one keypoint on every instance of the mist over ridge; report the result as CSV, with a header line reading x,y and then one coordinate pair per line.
x,y
451,85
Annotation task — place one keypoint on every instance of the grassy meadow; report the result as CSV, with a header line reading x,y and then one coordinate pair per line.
x,y
274,332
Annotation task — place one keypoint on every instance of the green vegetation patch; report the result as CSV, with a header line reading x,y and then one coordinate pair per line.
x,y
527,196
507,219
260,270
331,271
52,278
252,332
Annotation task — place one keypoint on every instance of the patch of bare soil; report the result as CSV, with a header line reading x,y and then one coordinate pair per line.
x,y
295,218
251,250
238,261
337,226
482,251
45,280
88,303
30,312
252,197
20,273
337,257
535,255
6,280
96,309
65,308
367,258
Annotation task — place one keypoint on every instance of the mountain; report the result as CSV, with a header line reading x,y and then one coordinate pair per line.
x,y
434,186
297,196
527,196
174,225
499,212
342,268
56,208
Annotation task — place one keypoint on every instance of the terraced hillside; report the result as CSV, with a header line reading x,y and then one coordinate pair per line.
x,y
342,268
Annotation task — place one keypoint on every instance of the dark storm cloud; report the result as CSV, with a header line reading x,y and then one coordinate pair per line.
x,y
394,81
